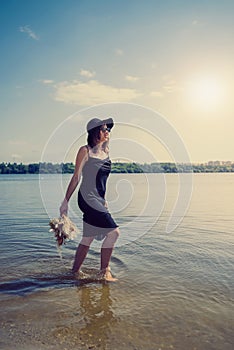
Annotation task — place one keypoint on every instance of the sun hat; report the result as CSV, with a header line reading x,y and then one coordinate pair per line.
x,y
95,122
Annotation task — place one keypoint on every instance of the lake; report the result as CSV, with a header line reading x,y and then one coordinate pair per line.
x,y
175,288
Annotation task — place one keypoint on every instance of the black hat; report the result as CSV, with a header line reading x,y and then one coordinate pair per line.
x,y
95,122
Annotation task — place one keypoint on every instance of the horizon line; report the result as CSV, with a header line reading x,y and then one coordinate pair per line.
x,y
209,162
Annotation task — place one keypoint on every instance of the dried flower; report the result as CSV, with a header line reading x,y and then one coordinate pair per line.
x,y
63,229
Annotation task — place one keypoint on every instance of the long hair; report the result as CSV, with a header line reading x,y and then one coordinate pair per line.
x,y
94,138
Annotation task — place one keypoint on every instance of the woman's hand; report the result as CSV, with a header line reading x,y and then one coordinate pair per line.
x,y
64,207
106,204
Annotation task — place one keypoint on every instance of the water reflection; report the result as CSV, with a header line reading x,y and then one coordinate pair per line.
x,y
97,313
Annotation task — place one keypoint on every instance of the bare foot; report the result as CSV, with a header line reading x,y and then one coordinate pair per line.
x,y
80,275
107,276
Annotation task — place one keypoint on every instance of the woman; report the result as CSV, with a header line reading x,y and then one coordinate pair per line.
x,y
93,163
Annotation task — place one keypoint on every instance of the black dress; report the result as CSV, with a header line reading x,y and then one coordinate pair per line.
x,y
97,221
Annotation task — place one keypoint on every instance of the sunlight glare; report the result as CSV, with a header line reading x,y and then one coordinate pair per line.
x,y
206,93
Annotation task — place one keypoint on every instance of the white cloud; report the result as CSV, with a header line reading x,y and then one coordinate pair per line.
x,y
119,52
46,81
197,23
87,73
17,142
171,86
167,77
92,92
131,78
28,30
154,65
156,94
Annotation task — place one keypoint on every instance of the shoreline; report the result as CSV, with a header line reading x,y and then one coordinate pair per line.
x,y
117,168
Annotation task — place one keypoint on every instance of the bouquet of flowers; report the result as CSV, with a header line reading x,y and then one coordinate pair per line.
x,y
63,229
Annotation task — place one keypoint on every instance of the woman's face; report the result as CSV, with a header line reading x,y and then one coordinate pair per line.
x,y
104,133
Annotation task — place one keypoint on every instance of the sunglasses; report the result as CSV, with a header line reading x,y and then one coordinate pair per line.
x,y
103,129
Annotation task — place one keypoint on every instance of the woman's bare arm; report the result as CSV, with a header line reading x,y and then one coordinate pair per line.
x,y
81,158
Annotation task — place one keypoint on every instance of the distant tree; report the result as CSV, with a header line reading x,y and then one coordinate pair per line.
x,y
33,168
68,168
3,168
50,168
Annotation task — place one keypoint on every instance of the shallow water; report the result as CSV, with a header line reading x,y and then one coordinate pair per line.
x,y
175,291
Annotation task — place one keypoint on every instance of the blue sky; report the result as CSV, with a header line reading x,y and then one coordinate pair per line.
x,y
175,57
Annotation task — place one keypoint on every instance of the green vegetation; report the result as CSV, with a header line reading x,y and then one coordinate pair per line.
x,y
36,168
68,168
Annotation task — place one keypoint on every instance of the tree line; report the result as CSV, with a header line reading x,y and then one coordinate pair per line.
x,y
68,168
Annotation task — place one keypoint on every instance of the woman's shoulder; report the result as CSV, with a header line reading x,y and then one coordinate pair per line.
x,y
83,149
83,152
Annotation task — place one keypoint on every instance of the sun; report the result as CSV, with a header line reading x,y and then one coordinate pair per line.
x,y
206,93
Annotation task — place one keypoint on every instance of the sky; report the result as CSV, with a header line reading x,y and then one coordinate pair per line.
x,y
65,62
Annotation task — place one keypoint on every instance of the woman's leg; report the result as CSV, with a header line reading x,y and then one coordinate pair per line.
x,y
106,252
81,253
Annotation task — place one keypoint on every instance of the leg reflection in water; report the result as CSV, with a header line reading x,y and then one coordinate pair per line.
x,y
98,315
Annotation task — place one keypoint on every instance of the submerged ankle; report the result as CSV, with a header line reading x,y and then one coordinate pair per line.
x,y
107,275
105,268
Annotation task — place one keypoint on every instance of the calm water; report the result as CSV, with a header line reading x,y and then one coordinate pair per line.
x,y
175,290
